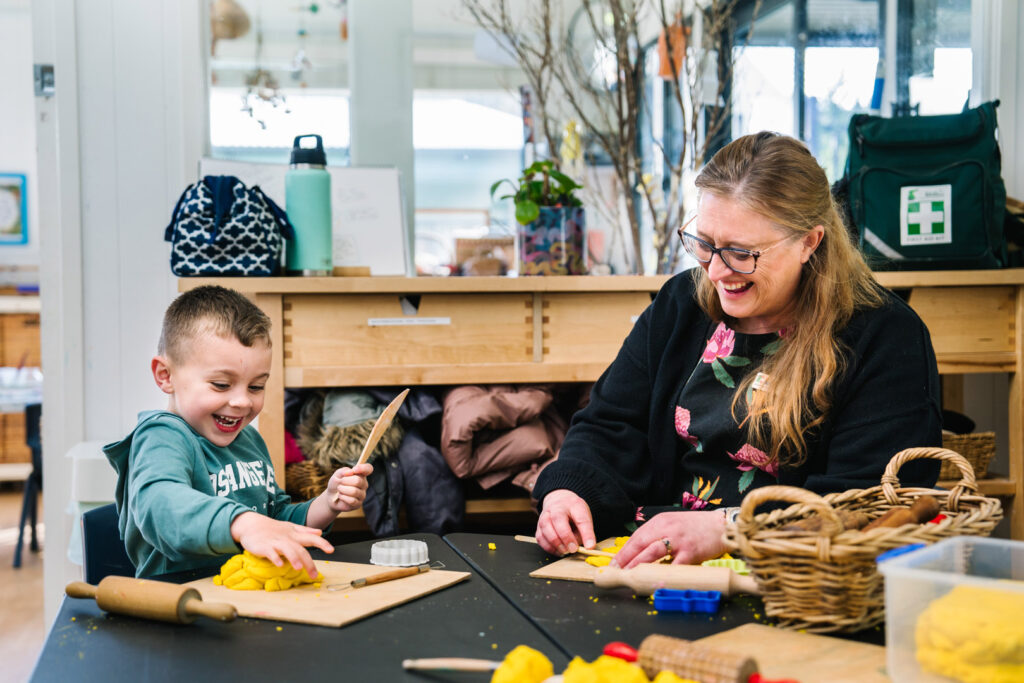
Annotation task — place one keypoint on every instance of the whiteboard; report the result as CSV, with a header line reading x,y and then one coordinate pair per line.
x,y
366,210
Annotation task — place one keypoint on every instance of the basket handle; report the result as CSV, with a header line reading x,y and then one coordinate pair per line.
x,y
790,494
967,483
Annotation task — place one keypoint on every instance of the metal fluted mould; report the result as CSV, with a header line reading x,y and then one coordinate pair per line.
x,y
403,552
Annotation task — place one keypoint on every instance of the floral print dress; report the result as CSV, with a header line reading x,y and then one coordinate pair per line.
x,y
718,464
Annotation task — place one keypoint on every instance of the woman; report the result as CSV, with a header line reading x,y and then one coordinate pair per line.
x,y
778,360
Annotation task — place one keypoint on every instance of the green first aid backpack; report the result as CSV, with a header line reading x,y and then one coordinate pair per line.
x,y
925,192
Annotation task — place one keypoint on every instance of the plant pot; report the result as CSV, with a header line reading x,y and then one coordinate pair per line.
x,y
555,243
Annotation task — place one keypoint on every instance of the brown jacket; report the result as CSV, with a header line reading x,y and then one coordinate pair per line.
x,y
492,433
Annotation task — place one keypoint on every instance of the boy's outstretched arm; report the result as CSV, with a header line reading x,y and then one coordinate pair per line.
x,y
345,491
274,540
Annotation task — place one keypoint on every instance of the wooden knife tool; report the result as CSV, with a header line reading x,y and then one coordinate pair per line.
x,y
379,427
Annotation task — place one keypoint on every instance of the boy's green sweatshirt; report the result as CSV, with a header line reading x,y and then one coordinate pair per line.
x,y
177,493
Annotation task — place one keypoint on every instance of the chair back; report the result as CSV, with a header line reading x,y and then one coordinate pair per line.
x,y
103,550
33,438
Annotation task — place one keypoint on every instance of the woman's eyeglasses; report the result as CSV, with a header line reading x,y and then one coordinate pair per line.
x,y
743,261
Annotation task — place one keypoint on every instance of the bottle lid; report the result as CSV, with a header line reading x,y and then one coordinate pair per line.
x,y
308,155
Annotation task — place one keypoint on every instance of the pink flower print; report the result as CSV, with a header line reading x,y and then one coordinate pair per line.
x,y
720,345
640,518
751,457
692,502
683,426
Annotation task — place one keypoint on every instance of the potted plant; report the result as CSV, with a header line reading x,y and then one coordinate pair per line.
x,y
552,228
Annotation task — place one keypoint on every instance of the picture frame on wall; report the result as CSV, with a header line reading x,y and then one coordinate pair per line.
x,y
13,208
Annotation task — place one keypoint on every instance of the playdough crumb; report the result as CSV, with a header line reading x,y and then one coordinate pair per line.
x,y
491,546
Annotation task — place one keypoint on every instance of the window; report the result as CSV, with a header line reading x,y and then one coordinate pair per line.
x,y
464,141
832,49
250,129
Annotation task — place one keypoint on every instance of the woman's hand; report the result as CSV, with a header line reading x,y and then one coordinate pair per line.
x,y
692,537
565,523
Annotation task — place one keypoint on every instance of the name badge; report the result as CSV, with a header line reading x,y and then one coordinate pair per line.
x,y
760,380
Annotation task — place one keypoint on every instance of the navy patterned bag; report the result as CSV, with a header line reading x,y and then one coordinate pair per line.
x,y
220,227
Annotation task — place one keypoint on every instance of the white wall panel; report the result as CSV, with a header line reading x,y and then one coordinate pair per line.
x,y
17,119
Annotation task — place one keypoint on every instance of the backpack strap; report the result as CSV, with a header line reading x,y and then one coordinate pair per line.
x,y
169,230
287,231
222,192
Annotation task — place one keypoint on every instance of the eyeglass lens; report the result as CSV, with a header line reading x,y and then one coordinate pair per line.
x,y
739,260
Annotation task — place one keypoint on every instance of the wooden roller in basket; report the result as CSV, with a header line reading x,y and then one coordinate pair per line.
x,y
693,661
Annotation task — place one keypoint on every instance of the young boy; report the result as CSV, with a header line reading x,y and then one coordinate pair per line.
x,y
195,482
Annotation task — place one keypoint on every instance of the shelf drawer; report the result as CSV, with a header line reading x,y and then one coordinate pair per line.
x,y
589,327
357,330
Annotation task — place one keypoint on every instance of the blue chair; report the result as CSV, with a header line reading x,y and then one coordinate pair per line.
x,y
103,550
34,482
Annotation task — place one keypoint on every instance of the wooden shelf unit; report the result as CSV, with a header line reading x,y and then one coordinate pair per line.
x,y
381,331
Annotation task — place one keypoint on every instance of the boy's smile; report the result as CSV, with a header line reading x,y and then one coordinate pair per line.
x,y
218,387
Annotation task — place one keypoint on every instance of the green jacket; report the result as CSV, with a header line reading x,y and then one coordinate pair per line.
x,y
177,493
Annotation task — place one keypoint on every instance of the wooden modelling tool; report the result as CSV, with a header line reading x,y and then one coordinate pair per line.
x,y
151,600
379,427
580,550
644,579
450,664
381,578
691,660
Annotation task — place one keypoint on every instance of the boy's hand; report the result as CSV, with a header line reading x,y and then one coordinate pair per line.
x,y
278,541
347,488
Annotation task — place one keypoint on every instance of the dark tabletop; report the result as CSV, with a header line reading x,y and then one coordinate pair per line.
x,y
469,619
582,618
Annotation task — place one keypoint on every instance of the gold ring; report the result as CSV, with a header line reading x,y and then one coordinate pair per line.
x,y
668,546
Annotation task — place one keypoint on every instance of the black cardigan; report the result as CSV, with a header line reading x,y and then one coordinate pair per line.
x,y
622,449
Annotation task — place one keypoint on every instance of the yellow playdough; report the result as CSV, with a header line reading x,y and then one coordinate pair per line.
x,y
973,635
247,572
523,665
599,561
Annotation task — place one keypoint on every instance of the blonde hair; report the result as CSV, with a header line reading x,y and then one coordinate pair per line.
x,y
776,177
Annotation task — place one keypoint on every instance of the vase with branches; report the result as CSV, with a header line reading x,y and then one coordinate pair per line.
x,y
604,86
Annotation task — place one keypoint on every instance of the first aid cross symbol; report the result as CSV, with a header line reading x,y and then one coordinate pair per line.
x,y
926,222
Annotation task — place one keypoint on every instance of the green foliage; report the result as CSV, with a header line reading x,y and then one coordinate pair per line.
x,y
541,184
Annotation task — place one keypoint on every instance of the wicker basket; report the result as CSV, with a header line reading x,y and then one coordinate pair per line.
x,y
304,480
977,449
827,580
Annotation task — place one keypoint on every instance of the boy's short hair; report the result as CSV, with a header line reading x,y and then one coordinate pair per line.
x,y
220,310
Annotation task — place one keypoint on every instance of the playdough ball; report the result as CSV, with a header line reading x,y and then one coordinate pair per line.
x,y
604,669
523,665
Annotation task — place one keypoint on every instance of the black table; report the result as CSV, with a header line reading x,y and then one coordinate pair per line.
x,y
469,619
581,618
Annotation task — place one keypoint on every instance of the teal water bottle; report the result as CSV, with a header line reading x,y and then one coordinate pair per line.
x,y
307,197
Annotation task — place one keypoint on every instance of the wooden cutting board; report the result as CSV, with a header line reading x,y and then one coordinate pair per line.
x,y
310,605
805,657
571,567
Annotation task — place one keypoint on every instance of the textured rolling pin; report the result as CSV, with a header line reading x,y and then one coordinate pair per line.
x,y
151,600
693,661
647,578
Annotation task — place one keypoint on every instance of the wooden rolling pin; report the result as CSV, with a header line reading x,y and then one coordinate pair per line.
x,y
690,660
151,600
647,578
922,510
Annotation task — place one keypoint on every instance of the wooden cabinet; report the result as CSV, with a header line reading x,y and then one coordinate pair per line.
x,y
336,332
19,346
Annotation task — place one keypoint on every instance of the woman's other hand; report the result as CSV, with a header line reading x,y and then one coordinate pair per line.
x,y
565,523
692,537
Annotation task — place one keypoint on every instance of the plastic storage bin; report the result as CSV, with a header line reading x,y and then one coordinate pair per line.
x,y
956,607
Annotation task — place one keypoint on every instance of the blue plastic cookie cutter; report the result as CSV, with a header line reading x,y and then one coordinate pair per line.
x,y
670,600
